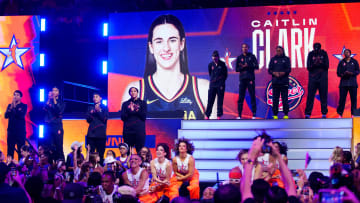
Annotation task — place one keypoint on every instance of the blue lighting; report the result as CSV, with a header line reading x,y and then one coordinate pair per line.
x,y
42,60
41,131
105,30
104,67
104,102
42,95
42,24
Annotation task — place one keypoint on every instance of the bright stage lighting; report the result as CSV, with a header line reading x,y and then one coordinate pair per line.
x,y
105,30
42,24
42,60
104,67
42,95
104,102
41,131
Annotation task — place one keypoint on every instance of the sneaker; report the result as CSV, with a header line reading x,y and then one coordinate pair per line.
x,y
340,116
307,116
275,117
238,118
323,116
206,118
254,117
218,118
286,117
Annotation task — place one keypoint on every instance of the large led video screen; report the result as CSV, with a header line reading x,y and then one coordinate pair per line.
x,y
19,53
168,63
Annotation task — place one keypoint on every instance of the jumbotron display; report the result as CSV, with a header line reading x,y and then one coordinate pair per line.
x,y
19,51
172,76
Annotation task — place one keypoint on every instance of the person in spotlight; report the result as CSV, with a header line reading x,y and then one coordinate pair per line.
x,y
279,69
54,109
218,74
246,64
133,114
97,118
16,132
347,70
185,179
318,66
167,85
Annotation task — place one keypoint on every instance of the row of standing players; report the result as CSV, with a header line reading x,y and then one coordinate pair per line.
x,y
279,69
133,114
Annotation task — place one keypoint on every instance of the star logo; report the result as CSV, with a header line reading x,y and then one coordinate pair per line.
x,y
227,59
340,56
13,54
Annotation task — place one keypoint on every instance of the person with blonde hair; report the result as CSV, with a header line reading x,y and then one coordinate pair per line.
x,y
336,156
357,155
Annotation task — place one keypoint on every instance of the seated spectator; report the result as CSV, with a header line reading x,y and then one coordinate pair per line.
x,y
357,156
124,157
336,156
25,152
146,157
185,177
227,193
348,162
108,188
73,193
161,172
208,195
282,148
138,178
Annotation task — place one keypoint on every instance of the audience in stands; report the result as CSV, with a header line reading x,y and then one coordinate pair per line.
x,y
38,178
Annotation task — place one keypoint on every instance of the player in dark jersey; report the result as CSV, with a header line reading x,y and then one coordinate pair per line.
x,y
347,70
167,87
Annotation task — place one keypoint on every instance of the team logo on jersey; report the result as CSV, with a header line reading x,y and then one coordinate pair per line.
x,y
295,94
185,100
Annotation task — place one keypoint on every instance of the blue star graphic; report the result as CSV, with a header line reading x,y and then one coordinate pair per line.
x,y
340,56
9,56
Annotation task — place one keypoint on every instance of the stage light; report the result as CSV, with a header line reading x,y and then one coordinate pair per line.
x,y
42,60
41,131
42,95
42,24
104,67
104,102
105,30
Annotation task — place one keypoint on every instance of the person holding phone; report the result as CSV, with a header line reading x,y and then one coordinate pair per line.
x,y
16,131
54,109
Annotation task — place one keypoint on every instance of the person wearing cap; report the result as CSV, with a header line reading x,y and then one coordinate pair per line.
x,y
76,148
16,132
279,69
97,119
318,66
109,163
124,157
133,115
218,74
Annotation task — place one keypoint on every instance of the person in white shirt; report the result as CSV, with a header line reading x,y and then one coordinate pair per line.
x,y
107,187
161,170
